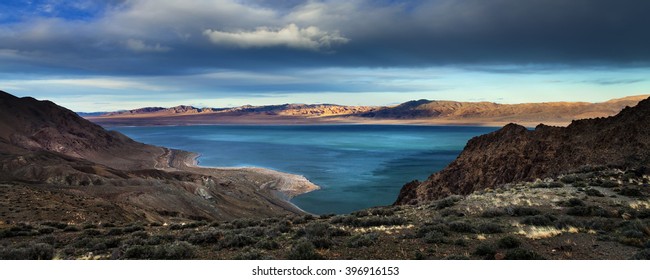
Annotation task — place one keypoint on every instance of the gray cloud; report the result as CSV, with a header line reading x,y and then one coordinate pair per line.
x,y
180,37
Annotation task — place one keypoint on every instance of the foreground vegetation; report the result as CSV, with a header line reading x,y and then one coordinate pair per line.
x,y
589,214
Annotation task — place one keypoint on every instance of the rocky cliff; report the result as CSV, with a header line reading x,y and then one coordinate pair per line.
x,y
515,153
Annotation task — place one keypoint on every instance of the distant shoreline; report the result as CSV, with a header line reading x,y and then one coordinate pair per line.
x,y
171,121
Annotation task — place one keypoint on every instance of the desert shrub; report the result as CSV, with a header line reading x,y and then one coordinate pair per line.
x,y
579,211
334,232
112,242
303,250
360,213
540,185
176,226
302,219
253,231
426,228
326,216
178,250
382,212
586,211
451,212
160,238
446,202
267,244
37,251
48,239
419,256
462,227
138,252
631,192
71,228
522,211
594,192
642,255
579,185
508,242
235,241
565,222
46,230
140,234
485,250
251,255
372,221
114,231
539,220
643,214
322,242
175,251
572,202
132,228
460,242
83,242
632,233
456,257
53,224
636,225
244,223
92,232
283,227
522,254
434,237
489,228
89,226
569,179
107,225
362,240
317,229
609,184
211,236
491,213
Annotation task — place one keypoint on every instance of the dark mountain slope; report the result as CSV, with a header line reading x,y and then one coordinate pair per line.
x,y
76,171
31,125
514,153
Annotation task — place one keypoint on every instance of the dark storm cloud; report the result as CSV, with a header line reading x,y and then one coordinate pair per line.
x,y
170,37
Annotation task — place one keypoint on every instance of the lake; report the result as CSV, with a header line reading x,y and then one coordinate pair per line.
x,y
357,166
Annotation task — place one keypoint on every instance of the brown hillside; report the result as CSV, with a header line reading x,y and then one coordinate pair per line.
x,y
515,153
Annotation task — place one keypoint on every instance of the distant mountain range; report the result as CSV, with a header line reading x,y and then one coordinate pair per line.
x,y
412,112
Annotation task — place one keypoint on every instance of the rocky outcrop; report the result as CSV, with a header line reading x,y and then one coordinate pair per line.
x,y
515,153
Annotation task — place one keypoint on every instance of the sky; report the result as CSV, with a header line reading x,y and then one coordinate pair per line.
x,y
123,54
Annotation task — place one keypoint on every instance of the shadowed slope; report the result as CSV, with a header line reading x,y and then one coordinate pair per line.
x,y
514,153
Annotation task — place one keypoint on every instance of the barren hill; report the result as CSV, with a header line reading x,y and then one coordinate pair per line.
x,y
412,112
515,153
55,165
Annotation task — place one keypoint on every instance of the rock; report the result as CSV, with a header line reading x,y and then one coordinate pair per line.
x,y
514,153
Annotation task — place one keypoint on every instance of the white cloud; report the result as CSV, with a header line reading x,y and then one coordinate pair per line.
x,y
311,38
140,46
103,83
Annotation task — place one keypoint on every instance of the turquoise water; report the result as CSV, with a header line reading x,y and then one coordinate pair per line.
x,y
357,166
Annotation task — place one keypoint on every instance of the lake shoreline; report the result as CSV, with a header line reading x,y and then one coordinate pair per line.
x,y
285,186
356,166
